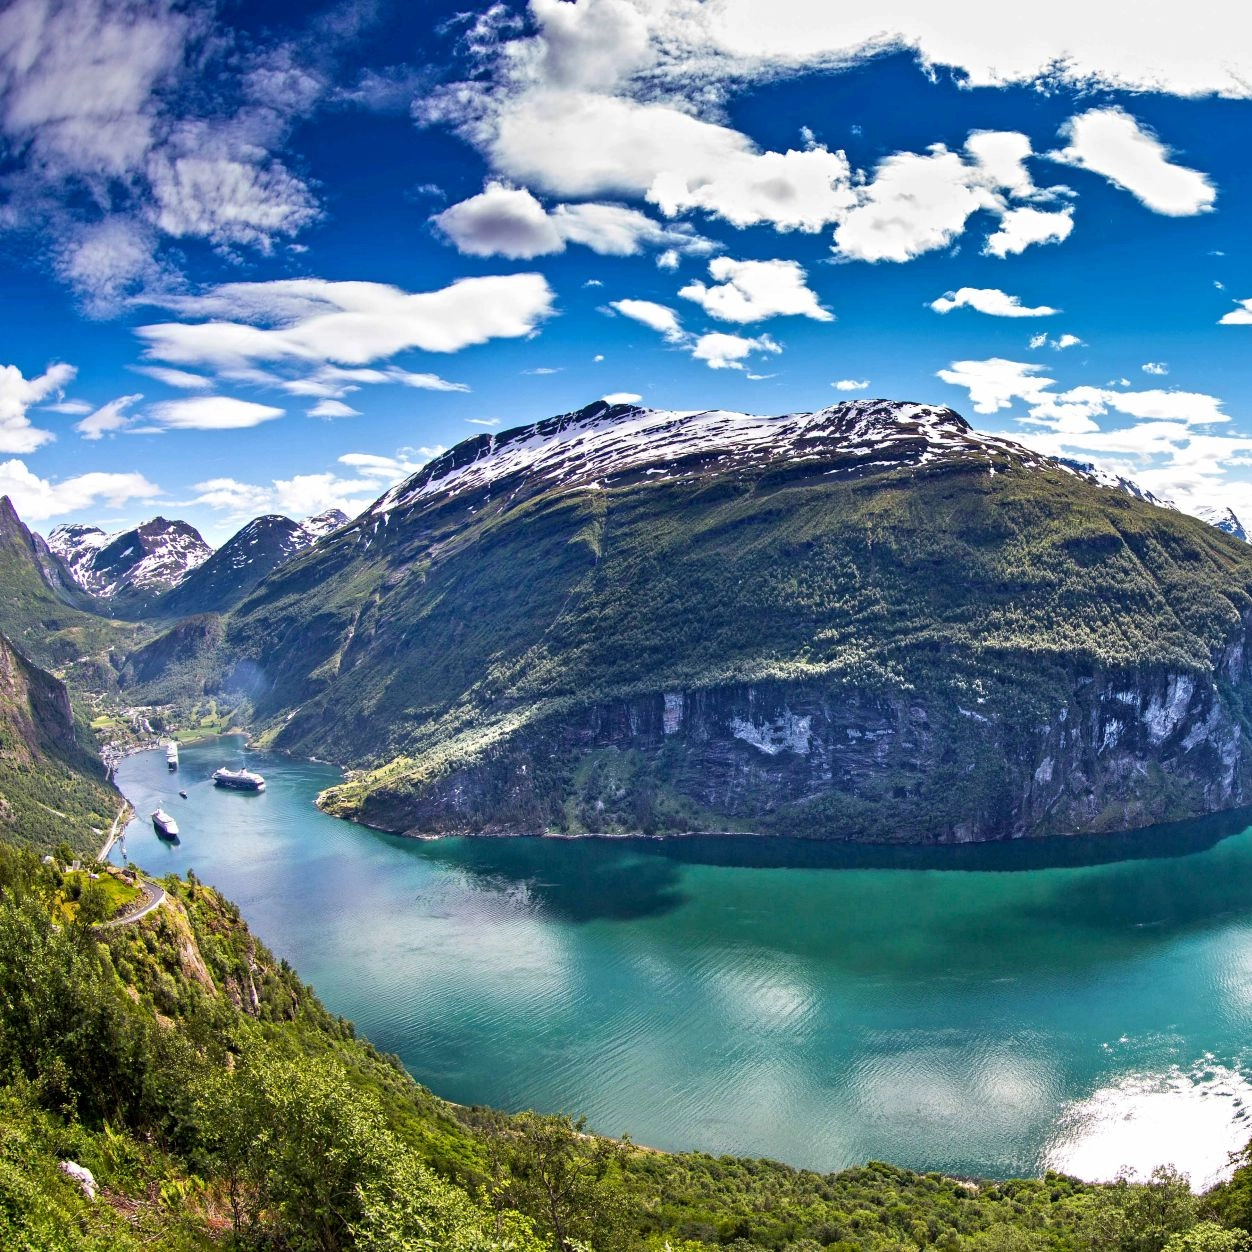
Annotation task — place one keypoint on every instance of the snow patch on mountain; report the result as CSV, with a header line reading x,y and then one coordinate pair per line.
x,y
1223,518
603,442
323,523
150,558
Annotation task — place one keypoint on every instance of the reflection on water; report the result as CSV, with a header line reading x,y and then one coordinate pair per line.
x,y
982,1010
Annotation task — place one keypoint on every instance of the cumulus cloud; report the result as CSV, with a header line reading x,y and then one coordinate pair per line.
x,y
851,384
511,222
659,317
987,45
302,495
720,352
622,397
1023,227
751,291
917,202
1059,344
17,394
1154,367
108,419
1241,316
1112,143
344,323
212,413
989,300
37,499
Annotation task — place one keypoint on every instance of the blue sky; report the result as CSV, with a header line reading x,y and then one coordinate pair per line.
x,y
269,257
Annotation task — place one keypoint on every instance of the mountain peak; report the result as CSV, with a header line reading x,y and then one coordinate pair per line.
x,y
148,559
606,444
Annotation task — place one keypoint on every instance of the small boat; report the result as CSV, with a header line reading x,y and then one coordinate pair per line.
x,y
165,825
238,780
171,755
183,794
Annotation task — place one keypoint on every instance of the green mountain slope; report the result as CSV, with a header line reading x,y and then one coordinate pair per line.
x,y
42,611
218,1105
52,784
869,622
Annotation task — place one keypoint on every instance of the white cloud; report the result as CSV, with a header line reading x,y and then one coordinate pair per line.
x,y
348,323
851,384
1112,143
659,317
17,394
37,499
1020,228
622,397
989,300
335,382
510,222
305,494
1155,367
995,383
750,291
333,408
234,497
1242,316
917,202
212,413
78,80
720,352
987,45
70,408
108,419
224,199
181,379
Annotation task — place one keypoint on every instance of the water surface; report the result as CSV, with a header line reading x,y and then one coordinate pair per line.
x,y
991,1011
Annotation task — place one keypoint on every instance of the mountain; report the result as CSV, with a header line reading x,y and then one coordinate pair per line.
x,y
52,783
867,622
43,612
237,566
130,566
1223,519
323,524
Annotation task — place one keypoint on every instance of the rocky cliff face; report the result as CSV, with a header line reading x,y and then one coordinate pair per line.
x,y
867,622
810,759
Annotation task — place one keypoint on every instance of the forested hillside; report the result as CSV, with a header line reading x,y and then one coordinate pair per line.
x,y
218,1105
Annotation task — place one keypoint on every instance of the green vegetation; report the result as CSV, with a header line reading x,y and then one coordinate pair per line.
x,y
52,784
423,659
218,1105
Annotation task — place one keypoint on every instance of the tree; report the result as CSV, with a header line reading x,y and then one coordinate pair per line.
x,y
559,1175
1208,1237
94,904
1140,1216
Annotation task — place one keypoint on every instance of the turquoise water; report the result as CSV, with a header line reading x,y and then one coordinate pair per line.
x,y
991,1011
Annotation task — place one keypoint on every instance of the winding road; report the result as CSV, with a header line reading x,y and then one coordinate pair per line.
x,y
156,897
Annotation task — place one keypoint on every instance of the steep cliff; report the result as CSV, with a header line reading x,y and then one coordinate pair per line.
x,y
52,783
870,622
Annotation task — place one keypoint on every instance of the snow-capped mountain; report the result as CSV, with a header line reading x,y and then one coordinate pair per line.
x,y
147,560
244,560
605,444
323,523
1224,519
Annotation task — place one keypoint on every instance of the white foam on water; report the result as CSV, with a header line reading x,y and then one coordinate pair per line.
x,y
1191,1119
